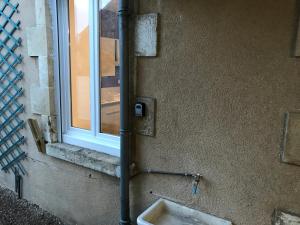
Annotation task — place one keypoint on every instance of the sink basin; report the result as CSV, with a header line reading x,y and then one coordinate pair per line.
x,y
165,212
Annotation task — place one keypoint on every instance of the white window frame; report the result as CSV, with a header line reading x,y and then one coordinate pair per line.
x,y
91,139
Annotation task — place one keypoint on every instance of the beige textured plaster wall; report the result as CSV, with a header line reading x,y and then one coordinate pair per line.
x,y
223,79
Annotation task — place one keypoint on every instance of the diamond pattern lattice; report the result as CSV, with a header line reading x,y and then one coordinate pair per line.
x,y
11,139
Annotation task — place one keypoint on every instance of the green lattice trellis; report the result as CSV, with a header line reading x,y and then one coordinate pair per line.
x,y
11,139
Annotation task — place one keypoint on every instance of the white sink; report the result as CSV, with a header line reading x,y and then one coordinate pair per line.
x,y
164,212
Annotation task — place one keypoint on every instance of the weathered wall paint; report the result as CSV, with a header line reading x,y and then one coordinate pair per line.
x,y
223,80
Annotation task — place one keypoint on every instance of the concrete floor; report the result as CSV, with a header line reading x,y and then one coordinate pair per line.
x,y
15,211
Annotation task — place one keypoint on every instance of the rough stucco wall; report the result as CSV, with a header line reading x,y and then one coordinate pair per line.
x,y
223,79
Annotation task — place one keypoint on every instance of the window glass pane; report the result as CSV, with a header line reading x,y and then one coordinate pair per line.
x,y
79,63
109,67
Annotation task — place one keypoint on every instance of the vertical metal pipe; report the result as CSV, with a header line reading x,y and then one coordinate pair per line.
x,y
125,131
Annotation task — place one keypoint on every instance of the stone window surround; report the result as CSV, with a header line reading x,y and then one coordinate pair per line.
x,y
43,102
92,139
39,43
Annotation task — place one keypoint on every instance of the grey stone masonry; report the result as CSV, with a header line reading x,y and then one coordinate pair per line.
x,y
42,96
146,35
97,161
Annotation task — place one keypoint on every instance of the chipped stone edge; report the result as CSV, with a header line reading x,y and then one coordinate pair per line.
x,y
281,217
87,158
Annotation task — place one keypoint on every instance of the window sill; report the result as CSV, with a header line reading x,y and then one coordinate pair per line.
x,y
97,161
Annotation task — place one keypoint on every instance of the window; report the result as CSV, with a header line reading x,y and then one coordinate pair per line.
x,y
89,74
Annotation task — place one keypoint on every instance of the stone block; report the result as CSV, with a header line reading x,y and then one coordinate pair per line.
x,y
42,100
291,146
297,44
46,72
84,157
146,125
284,218
146,35
40,12
37,41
